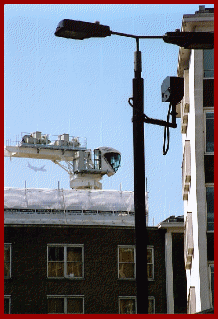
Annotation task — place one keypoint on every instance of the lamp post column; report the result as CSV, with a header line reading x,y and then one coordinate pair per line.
x,y
139,185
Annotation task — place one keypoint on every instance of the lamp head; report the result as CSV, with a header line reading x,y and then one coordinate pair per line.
x,y
80,30
191,40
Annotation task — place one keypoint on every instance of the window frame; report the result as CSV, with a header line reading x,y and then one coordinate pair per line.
x,y
9,298
127,247
207,110
208,77
204,61
65,246
211,264
10,259
65,297
127,298
211,185
152,263
152,251
150,299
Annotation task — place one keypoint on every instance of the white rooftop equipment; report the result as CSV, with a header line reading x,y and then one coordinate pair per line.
x,y
68,207
71,154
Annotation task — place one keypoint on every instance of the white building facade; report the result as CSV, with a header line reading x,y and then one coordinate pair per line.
x,y
197,125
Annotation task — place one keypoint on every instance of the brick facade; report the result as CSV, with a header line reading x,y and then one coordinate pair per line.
x,y
29,286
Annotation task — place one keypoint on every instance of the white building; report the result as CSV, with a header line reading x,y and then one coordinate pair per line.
x,y
174,227
197,122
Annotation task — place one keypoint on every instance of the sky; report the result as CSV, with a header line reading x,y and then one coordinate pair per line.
x,y
56,85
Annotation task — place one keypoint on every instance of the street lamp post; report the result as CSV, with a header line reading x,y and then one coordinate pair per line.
x,y
80,30
139,185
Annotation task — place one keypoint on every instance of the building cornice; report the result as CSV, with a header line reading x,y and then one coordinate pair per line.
x,y
193,23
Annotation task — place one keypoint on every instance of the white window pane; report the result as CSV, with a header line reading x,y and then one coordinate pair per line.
x,y
6,253
126,254
127,306
55,269
75,305
209,132
212,282
150,271
55,253
210,208
151,309
56,305
126,270
6,269
149,255
6,305
74,269
74,253
208,63
7,261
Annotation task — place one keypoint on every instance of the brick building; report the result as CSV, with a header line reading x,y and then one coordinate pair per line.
x,y
61,256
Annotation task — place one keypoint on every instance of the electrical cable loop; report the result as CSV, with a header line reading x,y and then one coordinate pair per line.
x,y
167,133
130,101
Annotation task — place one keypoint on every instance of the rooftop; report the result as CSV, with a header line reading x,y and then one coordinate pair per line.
x,y
173,223
71,207
174,219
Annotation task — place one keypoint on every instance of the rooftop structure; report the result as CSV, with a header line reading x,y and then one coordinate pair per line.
x,y
58,206
71,154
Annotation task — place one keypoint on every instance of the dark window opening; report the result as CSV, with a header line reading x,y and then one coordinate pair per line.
x,y
114,160
208,92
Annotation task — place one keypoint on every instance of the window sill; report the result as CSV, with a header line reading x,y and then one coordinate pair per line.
x,y
133,279
128,279
66,278
209,153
